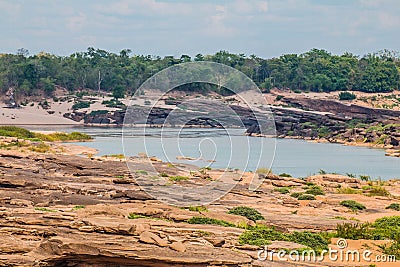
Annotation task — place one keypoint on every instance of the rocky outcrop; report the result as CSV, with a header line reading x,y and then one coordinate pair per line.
x,y
64,210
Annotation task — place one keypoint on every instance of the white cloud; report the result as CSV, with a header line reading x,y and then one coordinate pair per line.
x,y
151,7
76,23
262,6
388,20
216,26
11,8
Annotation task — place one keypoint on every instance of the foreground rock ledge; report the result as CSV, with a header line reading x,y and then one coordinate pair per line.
x,y
65,210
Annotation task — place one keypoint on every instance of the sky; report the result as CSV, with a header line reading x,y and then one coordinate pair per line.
x,y
265,28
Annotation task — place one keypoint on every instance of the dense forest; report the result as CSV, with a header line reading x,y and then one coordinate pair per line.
x,y
96,69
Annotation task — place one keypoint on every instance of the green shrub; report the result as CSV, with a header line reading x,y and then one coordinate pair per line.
x,y
178,178
74,136
262,235
113,104
13,131
282,190
40,148
394,206
314,190
205,220
198,208
249,213
354,231
306,197
392,249
353,205
365,178
377,191
285,175
81,104
311,240
387,222
348,190
264,171
78,207
133,216
346,96
45,210
296,194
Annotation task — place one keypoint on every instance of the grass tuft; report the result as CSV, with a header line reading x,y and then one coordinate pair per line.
x,y
249,213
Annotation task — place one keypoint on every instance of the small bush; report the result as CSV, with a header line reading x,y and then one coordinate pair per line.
x,y
113,104
353,205
311,240
377,191
178,178
81,104
354,231
260,236
365,178
306,197
40,148
78,207
198,208
141,172
296,194
348,190
346,96
45,210
282,190
285,175
394,206
314,190
133,216
351,175
264,171
205,220
249,213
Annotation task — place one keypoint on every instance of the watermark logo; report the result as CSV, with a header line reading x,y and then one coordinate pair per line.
x,y
152,125
339,254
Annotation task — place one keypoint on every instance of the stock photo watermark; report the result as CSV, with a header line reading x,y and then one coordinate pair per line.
x,y
339,254
191,110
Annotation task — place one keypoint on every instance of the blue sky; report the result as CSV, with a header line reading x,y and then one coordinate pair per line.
x,y
266,28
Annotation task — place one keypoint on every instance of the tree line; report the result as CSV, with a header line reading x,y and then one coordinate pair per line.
x,y
120,73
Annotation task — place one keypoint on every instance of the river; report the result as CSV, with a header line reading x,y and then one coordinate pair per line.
x,y
219,148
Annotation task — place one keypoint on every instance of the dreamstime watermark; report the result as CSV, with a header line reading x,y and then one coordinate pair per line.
x,y
148,111
341,254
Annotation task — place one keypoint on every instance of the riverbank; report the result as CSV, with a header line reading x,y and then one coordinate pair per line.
x,y
58,208
310,116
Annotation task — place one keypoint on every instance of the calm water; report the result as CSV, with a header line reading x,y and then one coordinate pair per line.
x,y
230,149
